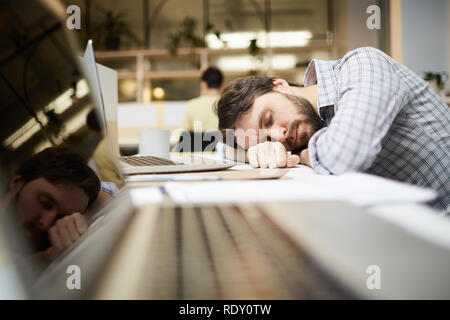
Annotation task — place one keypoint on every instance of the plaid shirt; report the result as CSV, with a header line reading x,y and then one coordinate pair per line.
x,y
381,118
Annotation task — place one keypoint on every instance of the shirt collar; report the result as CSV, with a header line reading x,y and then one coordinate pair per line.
x,y
321,72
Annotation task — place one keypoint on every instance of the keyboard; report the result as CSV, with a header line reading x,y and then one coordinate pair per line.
x,y
146,161
229,253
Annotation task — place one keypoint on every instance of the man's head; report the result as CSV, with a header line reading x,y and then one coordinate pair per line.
x,y
53,183
265,108
212,78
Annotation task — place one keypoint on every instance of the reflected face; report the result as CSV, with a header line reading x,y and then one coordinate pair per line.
x,y
278,117
39,203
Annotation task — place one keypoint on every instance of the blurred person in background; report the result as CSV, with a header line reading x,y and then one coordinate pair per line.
x,y
202,108
199,116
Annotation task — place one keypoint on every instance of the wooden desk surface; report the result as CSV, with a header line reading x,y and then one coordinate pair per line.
x,y
229,174
225,175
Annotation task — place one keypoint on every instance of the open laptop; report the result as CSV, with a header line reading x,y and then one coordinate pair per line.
x,y
140,164
302,250
45,101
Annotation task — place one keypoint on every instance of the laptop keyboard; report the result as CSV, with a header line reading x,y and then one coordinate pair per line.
x,y
146,161
228,253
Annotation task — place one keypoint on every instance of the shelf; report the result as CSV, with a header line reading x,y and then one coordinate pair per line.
x,y
203,54
104,55
195,74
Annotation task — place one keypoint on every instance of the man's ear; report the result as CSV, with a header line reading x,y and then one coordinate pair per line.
x,y
16,183
281,85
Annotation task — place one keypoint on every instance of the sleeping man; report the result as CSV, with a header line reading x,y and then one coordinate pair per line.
x,y
365,112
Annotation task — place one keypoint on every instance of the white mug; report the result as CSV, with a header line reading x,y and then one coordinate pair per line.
x,y
154,142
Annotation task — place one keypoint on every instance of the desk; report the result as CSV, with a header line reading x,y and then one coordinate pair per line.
x,y
414,217
128,262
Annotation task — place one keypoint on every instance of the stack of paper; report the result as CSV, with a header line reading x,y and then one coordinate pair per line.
x,y
357,188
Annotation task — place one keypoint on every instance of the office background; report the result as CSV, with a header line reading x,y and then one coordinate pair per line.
x,y
160,47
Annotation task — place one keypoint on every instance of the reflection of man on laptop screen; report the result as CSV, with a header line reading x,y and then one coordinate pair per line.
x,y
43,127
50,192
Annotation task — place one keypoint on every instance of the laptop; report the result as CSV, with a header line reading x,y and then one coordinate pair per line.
x,y
46,99
300,250
140,164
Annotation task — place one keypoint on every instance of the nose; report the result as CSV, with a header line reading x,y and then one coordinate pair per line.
x,y
277,133
47,219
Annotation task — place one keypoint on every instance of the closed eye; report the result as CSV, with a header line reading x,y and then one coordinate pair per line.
x,y
47,201
46,204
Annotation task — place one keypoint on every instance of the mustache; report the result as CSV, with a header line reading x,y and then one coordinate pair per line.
x,y
291,134
305,107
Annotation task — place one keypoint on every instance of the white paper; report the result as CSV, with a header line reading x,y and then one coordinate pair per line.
x,y
141,196
241,166
357,188
299,171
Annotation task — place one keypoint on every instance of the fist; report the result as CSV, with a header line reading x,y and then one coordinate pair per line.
x,y
271,155
65,232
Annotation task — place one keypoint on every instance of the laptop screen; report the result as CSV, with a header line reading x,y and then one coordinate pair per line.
x,y
47,148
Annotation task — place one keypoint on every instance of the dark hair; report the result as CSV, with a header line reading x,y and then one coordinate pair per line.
x,y
213,77
238,97
92,121
61,165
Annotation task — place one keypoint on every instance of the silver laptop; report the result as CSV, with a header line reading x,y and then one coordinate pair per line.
x,y
45,100
140,164
302,250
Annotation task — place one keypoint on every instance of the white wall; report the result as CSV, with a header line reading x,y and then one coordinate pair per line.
x,y
426,34
135,116
350,29
358,33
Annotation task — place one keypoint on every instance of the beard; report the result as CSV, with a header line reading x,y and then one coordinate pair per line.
x,y
311,119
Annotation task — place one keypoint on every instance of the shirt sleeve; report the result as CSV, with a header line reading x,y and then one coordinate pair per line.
x,y
109,187
370,97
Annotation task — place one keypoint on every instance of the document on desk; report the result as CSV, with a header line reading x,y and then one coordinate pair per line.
x,y
170,177
146,195
357,188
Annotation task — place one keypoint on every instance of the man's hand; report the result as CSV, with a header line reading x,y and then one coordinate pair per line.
x,y
271,155
65,232
304,158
